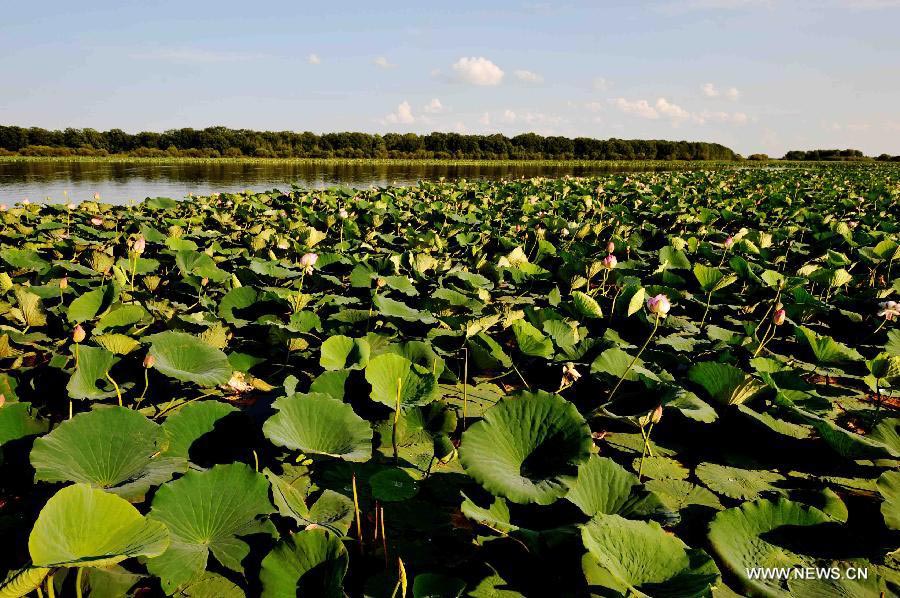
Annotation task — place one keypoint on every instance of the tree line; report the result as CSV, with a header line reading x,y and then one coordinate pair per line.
x,y
224,142
836,155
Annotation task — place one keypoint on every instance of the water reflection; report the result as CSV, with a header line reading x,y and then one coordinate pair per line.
x,y
121,182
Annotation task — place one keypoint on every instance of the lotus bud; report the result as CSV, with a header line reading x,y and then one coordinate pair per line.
x,y
610,261
139,245
78,334
308,260
610,247
26,202
3,207
729,242
343,214
380,282
659,305
64,282
97,221
70,206
149,360
96,197
656,415
779,317
2,400
204,281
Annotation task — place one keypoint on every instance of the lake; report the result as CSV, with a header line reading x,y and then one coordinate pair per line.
x,y
126,181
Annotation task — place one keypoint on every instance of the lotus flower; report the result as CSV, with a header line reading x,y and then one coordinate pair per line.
x,y
659,305
656,415
64,282
149,360
570,374
70,206
139,245
78,334
564,232
3,207
779,317
343,214
610,261
2,400
26,202
889,309
729,242
97,221
610,247
308,260
96,197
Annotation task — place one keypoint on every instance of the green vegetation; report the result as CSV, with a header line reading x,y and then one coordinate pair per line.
x,y
628,385
215,142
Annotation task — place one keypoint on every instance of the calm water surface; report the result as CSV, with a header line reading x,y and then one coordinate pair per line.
x,y
121,183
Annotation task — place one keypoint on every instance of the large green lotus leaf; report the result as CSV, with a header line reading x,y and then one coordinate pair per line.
x,y
417,386
397,309
21,582
826,350
332,510
640,558
586,305
187,358
211,585
320,424
737,534
110,582
82,526
614,361
190,423
676,495
604,486
532,341
331,383
19,420
849,444
888,433
527,448
236,298
24,259
194,263
674,259
206,512
712,279
114,448
733,482
121,315
93,364
308,563
725,383
420,353
86,306
871,586
889,487
342,352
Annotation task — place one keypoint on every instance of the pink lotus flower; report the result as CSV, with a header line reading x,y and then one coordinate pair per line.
x,y
659,305
610,247
140,244
97,221
656,415
343,214
26,202
610,261
3,207
70,206
78,334
729,242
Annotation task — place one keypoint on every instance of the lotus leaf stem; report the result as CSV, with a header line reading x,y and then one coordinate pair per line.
x,y
635,358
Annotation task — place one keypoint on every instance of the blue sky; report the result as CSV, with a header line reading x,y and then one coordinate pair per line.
x,y
756,75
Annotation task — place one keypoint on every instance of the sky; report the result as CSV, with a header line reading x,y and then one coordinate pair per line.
x,y
755,75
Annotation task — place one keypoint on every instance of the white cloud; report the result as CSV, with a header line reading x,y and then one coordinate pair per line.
x,y
478,71
509,116
485,119
403,115
711,91
674,112
434,106
383,63
663,108
313,59
640,108
529,77
602,84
